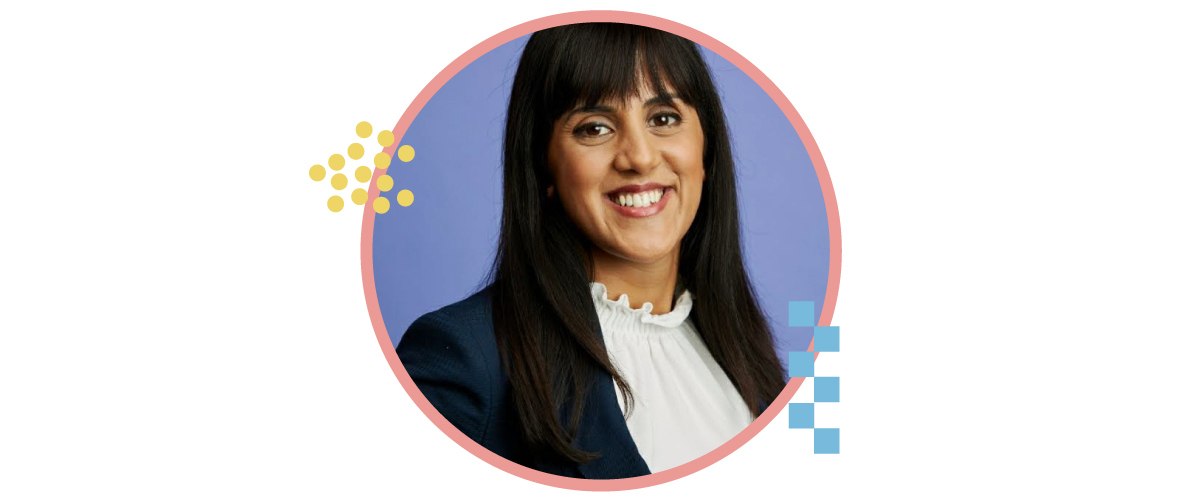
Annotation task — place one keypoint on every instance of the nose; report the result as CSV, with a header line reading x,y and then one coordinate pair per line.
x,y
637,152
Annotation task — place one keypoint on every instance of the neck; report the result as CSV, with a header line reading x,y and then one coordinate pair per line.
x,y
653,282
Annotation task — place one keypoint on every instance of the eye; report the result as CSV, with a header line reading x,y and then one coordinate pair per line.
x,y
592,130
665,120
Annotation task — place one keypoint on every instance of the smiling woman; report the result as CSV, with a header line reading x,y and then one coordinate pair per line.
x,y
629,174
618,191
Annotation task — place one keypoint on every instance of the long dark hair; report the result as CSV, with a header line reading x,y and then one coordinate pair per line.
x,y
543,314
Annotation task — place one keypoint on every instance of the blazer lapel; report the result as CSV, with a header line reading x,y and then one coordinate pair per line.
x,y
603,430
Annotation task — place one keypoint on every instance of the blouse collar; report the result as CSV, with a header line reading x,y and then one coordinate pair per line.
x,y
619,312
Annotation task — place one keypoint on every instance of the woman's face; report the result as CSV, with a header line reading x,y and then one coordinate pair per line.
x,y
629,174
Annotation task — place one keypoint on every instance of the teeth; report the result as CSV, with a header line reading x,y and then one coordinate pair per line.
x,y
642,199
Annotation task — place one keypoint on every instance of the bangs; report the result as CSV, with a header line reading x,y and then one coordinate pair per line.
x,y
593,63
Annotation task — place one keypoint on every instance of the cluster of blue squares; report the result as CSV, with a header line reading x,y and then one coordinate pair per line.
x,y
825,440
800,364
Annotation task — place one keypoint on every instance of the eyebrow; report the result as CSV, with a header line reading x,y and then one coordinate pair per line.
x,y
660,99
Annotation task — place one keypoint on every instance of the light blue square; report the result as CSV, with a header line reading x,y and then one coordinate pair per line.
x,y
800,314
825,389
825,441
800,415
800,364
825,339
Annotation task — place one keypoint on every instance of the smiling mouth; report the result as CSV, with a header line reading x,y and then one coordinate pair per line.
x,y
638,200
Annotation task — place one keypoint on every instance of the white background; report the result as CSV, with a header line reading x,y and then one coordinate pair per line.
x,y
182,317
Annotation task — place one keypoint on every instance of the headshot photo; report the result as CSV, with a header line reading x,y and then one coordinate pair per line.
x,y
578,287
546,252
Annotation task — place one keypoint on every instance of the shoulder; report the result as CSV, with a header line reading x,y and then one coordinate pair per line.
x,y
465,326
451,355
470,317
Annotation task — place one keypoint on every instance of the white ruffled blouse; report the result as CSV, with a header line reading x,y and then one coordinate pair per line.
x,y
684,405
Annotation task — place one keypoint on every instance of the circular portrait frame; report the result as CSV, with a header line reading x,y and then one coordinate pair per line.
x,y
368,230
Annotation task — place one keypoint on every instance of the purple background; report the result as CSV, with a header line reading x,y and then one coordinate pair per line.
x,y
437,251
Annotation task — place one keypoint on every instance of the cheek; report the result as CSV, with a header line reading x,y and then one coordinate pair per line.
x,y
691,170
578,178
689,162
565,166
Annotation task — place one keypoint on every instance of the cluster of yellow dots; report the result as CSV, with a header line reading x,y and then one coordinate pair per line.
x,y
363,174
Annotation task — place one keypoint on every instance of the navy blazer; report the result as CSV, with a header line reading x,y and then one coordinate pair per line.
x,y
452,355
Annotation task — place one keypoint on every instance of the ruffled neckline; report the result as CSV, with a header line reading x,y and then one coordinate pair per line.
x,y
620,309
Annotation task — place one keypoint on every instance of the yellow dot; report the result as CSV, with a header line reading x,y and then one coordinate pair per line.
x,y
358,196
382,160
406,153
338,181
363,129
335,203
362,174
355,151
316,173
381,205
336,162
404,198
385,138
384,182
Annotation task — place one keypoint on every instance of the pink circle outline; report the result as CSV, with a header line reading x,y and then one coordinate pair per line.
x,y
450,71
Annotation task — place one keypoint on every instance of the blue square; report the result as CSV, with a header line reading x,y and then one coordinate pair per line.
x,y
800,415
825,389
825,339
800,314
800,364
825,441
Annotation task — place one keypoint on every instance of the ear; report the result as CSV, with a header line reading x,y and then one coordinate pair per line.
x,y
550,191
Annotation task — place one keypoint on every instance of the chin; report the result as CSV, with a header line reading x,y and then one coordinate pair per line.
x,y
645,256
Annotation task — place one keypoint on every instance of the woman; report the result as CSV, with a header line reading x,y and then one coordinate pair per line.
x,y
618,191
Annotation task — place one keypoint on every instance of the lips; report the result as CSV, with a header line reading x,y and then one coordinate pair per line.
x,y
639,200
637,188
